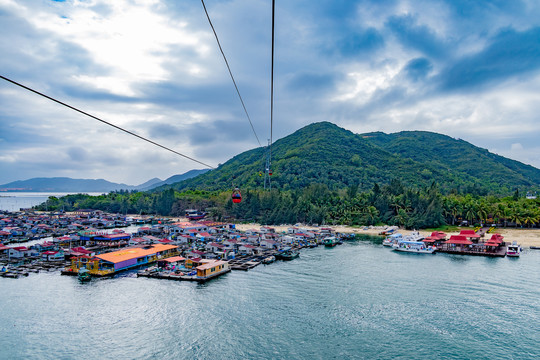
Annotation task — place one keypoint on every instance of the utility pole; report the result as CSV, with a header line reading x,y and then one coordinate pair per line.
x,y
267,171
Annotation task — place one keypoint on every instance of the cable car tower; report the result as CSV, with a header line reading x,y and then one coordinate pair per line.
x,y
267,170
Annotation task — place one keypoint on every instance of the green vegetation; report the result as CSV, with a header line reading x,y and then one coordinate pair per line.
x,y
327,154
392,204
324,174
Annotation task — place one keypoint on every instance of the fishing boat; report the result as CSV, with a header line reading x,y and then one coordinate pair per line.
x,y
84,275
513,250
330,241
269,260
287,255
392,239
416,247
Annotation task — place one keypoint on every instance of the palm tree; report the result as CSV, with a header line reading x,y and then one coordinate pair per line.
x,y
470,210
371,213
482,212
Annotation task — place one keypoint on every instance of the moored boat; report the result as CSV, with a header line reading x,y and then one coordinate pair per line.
x,y
287,255
330,241
513,250
416,247
392,239
84,275
269,260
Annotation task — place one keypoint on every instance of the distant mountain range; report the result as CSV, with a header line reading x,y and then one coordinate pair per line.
x,y
325,153
65,184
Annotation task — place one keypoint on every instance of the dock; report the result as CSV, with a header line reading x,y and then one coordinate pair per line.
x,y
175,276
498,253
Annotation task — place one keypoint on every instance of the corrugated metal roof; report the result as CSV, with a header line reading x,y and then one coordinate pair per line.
x,y
133,253
211,265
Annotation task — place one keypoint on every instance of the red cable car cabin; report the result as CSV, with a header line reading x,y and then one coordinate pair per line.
x,y
236,196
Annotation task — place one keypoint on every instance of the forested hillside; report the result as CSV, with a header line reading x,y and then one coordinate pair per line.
x,y
327,154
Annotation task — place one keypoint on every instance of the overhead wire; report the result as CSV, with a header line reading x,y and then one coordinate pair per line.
x,y
105,122
230,72
272,81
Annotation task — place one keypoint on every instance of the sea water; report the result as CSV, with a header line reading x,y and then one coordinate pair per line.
x,y
354,301
14,201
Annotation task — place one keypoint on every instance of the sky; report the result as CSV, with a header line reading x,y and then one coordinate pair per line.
x,y
469,69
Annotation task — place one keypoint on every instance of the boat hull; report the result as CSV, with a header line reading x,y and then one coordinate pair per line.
x,y
416,251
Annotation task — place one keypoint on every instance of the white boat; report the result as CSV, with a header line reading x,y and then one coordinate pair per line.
x,y
392,239
414,236
416,247
513,250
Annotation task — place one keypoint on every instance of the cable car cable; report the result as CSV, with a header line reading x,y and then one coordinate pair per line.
x,y
230,72
105,122
272,80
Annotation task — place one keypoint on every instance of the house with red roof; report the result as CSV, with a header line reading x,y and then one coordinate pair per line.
x,y
195,254
52,255
4,249
18,252
247,249
470,234
269,244
215,247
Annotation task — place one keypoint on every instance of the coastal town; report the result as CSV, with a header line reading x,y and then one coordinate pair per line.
x,y
91,243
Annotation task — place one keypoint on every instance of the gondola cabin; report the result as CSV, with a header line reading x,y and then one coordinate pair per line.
x,y
236,196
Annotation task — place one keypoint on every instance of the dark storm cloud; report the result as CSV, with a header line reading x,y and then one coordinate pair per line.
x,y
509,53
417,37
418,69
218,132
313,82
360,42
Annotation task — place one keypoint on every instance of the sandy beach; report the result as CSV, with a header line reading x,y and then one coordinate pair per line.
x,y
524,237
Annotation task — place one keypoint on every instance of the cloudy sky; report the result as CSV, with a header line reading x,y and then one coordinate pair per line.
x,y
469,69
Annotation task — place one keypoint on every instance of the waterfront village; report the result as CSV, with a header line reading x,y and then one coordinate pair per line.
x,y
92,243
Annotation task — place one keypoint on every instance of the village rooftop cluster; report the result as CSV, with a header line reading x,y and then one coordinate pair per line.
x,y
92,240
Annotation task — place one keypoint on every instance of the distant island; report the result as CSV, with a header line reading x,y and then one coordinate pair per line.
x,y
66,184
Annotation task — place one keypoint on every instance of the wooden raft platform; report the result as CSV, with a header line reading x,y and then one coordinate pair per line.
x,y
169,276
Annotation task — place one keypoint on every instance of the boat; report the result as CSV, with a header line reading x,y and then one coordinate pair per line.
x,y
84,275
416,247
287,255
330,241
534,247
269,260
414,236
392,239
513,250
195,214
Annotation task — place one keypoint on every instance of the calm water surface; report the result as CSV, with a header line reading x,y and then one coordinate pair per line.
x,y
358,300
13,201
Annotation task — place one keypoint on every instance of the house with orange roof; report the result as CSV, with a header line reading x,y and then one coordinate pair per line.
x,y
125,259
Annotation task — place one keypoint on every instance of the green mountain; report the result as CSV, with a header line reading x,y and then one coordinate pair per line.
x,y
173,179
458,156
325,153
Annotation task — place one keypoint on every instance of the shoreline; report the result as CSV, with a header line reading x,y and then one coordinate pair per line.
x,y
523,236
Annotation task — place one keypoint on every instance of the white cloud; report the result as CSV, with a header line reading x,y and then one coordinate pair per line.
x,y
154,68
